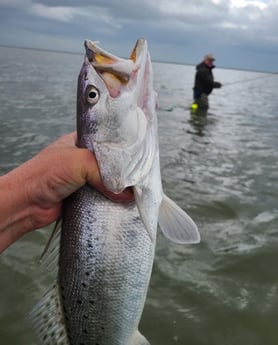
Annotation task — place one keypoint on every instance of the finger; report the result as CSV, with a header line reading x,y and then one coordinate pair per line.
x,y
92,177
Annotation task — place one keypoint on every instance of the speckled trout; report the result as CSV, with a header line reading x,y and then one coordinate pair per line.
x,y
105,250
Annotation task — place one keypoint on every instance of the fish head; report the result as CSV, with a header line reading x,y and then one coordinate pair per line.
x,y
116,116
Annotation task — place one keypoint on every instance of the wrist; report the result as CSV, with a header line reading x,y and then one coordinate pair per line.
x,y
15,211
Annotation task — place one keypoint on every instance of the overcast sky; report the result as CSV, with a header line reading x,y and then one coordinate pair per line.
x,y
241,34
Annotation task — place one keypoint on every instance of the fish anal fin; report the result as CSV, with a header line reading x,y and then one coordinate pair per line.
x,y
176,224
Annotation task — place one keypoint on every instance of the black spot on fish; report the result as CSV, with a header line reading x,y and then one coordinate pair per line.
x,y
84,285
92,302
79,301
85,331
85,317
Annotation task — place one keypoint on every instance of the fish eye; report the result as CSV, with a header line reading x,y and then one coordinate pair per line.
x,y
92,95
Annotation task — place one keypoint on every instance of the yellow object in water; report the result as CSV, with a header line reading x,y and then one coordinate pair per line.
x,y
194,106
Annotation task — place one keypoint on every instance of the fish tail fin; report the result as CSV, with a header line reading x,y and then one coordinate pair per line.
x,y
46,319
138,339
176,224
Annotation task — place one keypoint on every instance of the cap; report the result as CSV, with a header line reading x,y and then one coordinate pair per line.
x,y
209,57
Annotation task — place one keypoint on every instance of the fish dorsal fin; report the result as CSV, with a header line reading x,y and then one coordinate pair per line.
x,y
175,224
138,339
50,255
47,321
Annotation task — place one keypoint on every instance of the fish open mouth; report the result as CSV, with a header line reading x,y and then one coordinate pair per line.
x,y
116,72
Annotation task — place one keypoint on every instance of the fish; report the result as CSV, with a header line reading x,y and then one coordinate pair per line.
x,y
101,252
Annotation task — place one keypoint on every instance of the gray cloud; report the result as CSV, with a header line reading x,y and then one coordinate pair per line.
x,y
177,30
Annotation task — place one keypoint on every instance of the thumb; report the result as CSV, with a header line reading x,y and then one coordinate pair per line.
x,y
94,179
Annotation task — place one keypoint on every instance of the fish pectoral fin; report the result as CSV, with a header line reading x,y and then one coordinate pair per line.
x,y
144,212
138,339
46,319
176,224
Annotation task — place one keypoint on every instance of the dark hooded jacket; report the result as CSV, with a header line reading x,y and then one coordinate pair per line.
x,y
204,82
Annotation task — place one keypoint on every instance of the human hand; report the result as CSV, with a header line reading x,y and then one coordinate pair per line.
x,y
32,194
62,168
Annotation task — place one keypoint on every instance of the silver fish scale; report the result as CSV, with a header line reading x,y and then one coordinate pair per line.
x,y
105,264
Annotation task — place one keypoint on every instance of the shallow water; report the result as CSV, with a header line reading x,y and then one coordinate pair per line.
x,y
224,173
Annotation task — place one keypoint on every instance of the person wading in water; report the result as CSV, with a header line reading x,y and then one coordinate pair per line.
x,y
204,83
